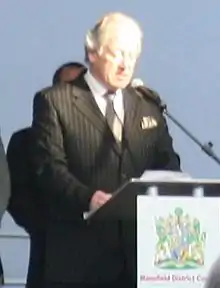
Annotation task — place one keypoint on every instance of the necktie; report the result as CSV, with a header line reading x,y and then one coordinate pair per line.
x,y
113,120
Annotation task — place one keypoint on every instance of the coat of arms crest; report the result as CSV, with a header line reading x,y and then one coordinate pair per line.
x,y
180,242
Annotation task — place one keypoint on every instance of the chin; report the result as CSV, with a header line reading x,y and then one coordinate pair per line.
x,y
122,83
116,87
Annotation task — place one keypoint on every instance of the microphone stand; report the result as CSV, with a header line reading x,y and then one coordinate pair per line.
x,y
207,148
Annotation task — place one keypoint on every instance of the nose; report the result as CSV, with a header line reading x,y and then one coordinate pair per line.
x,y
126,66
121,69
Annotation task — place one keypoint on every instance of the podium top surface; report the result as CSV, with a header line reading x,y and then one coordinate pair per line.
x,y
175,180
123,197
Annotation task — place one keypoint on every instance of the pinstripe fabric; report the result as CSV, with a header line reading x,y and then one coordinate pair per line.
x,y
75,154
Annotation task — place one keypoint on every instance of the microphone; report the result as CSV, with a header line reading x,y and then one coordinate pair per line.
x,y
148,94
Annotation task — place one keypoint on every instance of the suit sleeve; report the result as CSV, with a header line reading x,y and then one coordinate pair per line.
x,y
21,205
50,161
4,181
166,157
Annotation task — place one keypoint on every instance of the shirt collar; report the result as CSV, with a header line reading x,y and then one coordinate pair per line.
x,y
95,86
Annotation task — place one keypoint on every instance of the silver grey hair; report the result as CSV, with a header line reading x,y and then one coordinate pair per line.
x,y
92,41
95,36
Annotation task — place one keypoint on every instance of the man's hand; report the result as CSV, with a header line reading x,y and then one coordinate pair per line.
x,y
98,199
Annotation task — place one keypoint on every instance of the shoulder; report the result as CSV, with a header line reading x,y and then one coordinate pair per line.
x,y
53,92
149,106
20,134
149,103
147,96
19,141
58,94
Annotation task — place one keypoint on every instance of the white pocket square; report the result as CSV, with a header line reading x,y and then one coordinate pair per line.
x,y
148,122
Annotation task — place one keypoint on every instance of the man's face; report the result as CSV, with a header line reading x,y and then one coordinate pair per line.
x,y
115,63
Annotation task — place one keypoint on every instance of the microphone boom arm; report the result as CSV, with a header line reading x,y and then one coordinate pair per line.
x,y
206,148
147,93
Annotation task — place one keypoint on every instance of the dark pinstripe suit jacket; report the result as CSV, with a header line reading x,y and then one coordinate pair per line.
x,y
74,155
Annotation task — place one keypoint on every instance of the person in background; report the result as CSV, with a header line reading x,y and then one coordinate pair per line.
x,y
4,193
213,279
22,212
67,72
80,157
24,206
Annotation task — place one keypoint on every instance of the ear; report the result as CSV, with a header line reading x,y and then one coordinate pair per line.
x,y
92,56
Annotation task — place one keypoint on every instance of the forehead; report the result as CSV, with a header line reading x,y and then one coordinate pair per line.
x,y
123,37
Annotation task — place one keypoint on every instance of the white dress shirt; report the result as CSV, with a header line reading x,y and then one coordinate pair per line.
x,y
99,91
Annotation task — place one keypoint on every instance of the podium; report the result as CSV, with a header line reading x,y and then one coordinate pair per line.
x,y
169,229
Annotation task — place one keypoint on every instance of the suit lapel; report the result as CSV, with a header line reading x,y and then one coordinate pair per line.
x,y
85,102
131,107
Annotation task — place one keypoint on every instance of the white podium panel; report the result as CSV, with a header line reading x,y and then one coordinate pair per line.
x,y
177,240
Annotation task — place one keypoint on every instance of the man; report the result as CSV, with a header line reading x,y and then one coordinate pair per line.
x,y
24,205
80,156
4,192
